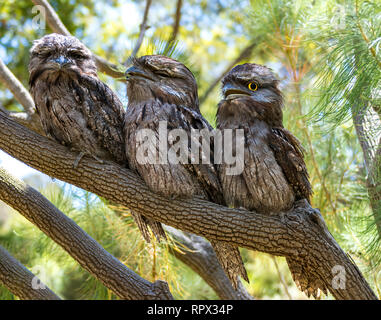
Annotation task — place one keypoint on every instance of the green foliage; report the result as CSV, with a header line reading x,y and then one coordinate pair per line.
x,y
350,66
326,67
349,77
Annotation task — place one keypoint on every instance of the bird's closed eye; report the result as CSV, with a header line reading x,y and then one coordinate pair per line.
x,y
162,73
43,54
77,55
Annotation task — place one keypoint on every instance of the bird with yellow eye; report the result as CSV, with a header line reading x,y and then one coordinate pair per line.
x,y
252,86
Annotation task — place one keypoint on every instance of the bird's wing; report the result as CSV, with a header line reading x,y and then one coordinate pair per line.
x,y
206,173
105,116
51,117
202,163
288,152
176,179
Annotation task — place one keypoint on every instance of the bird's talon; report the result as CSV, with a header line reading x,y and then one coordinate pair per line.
x,y
78,160
99,160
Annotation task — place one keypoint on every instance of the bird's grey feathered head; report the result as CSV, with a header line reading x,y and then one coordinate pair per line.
x,y
56,55
157,77
250,91
253,80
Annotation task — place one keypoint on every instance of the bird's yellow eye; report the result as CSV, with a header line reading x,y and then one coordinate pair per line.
x,y
252,86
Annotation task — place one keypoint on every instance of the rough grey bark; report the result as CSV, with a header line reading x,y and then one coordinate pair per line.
x,y
90,255
31,122
367,121
198,254
371,148
19,280
55,23
300,233
201,258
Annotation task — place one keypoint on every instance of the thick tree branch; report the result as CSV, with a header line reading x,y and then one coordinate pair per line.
x,y
84,249
244,54
19,280
371,149
374,189
31,122
358,121
372,157
300,233
55,23
199,255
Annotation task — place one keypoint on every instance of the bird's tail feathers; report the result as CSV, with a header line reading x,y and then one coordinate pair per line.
x,y
231,261
305,277
144,224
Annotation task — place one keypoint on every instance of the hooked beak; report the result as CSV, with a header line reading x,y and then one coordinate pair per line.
x,y
230,91
135,72
61,61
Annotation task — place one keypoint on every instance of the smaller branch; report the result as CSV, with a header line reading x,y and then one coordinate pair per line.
x,y
15,86
245,53
19,280
364,36
143,29
53,20
281,278
176,24
90,255
31,122
199,255
358,121
29,118
55,23
107,67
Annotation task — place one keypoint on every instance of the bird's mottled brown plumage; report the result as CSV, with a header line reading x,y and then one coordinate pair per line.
x,y
274,174
75,107
163,89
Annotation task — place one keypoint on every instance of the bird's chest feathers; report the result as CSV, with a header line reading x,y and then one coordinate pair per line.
x,y
262,183
258,154
149,114
62,115
62,103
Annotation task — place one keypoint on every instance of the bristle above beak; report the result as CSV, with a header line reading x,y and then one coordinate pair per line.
x,y
134,72
61,61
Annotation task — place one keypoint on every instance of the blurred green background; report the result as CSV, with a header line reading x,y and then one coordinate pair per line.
x,y
327,55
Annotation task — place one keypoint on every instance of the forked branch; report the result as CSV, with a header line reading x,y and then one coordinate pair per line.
x,y
300,234
90,255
